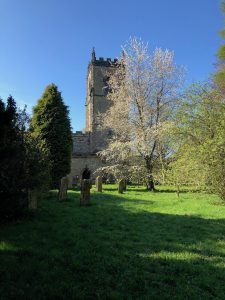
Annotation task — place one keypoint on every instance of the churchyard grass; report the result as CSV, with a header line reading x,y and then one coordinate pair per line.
x,y
136,245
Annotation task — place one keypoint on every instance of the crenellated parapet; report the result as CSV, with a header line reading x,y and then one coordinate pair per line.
x,y
108,62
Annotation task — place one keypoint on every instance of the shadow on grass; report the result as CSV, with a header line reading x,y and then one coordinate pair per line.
x,y
109,252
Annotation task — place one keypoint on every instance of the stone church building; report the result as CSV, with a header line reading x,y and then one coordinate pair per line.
x,y
86,144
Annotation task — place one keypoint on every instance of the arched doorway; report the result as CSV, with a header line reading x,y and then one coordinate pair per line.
x,y
86,173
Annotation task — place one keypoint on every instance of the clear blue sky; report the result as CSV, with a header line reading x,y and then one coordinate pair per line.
x,y
44,41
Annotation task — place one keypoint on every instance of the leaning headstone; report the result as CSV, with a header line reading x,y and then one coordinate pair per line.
x,y
98,183
63,188
85,192
121,186
32,199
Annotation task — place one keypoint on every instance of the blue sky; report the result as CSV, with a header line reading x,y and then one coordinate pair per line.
x,y
44,41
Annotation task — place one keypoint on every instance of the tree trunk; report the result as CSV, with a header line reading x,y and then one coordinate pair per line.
x,y
150,185
150,180
178,190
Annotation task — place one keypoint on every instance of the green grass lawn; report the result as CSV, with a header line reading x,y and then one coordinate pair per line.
x,y
138,245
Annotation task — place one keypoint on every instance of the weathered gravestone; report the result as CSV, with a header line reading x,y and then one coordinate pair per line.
x,y
85,192
121,186
98,183
63,188
32,199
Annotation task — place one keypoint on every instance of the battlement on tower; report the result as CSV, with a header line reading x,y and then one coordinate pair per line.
x,y
108,62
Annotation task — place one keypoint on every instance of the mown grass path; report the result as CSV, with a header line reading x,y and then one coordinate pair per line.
x,y
138,245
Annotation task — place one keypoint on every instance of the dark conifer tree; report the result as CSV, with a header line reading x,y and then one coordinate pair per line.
x,y
51,124
12,159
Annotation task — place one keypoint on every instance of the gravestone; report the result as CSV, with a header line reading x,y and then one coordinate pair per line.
x,y
63,188
121,186
98,183
32,199
85,192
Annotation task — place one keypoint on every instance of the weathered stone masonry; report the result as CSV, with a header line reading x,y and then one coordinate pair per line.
x,y
87,144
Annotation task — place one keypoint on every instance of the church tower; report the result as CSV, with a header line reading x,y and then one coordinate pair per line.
x,y
97,103
87,144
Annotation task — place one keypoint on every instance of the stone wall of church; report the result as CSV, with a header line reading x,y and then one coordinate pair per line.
x,y
81,143
86,145
78,165
97,102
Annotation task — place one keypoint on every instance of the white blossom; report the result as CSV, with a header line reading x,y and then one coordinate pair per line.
x,y
143,93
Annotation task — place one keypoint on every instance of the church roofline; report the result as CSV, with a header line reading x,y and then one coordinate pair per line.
x,y
108,62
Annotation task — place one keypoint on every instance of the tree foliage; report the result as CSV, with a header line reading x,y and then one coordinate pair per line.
x,y
199,129
11,160
23,167
219,77
143,94
51,125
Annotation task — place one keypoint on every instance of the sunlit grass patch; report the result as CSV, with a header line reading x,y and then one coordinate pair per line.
x,y
6,246
183,255
137,245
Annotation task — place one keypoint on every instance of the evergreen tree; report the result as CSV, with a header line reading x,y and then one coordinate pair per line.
x,y
23,164
12,160
51,125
